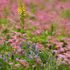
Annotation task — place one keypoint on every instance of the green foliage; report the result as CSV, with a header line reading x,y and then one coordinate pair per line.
x,y
52,46
22,17
5,31
65,14
32,7
3,21
52,29
63,67
43,56
5,47
4,65
60,37
64,0
20,30
48,60
42,38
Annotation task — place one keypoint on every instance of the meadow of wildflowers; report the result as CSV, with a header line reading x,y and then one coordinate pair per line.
x,y
34,34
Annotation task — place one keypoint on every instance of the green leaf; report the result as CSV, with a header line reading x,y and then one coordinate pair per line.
x,y
4,65
5,31
3,21
43,56
63,67
60,37
52,29
20,30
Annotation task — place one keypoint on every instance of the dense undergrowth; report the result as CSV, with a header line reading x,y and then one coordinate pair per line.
x,y
29,40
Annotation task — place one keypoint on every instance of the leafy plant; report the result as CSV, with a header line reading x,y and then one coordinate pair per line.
x,y
65,14
52,29
32,7
5,31
4,65
3,21
63,67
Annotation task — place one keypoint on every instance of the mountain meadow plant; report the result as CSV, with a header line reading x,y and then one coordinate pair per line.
x,y
31,37
28,57
66,14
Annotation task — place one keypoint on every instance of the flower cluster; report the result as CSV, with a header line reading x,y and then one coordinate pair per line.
x,y
35,35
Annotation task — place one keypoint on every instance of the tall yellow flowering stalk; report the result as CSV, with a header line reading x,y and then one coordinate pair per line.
x,y
21,11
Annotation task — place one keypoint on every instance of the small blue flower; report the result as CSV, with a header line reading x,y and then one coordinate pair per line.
x,y
29,44
34,46
0,56
36,50
30,57
32,53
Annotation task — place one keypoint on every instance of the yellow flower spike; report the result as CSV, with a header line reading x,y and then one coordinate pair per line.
x,y
21,10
